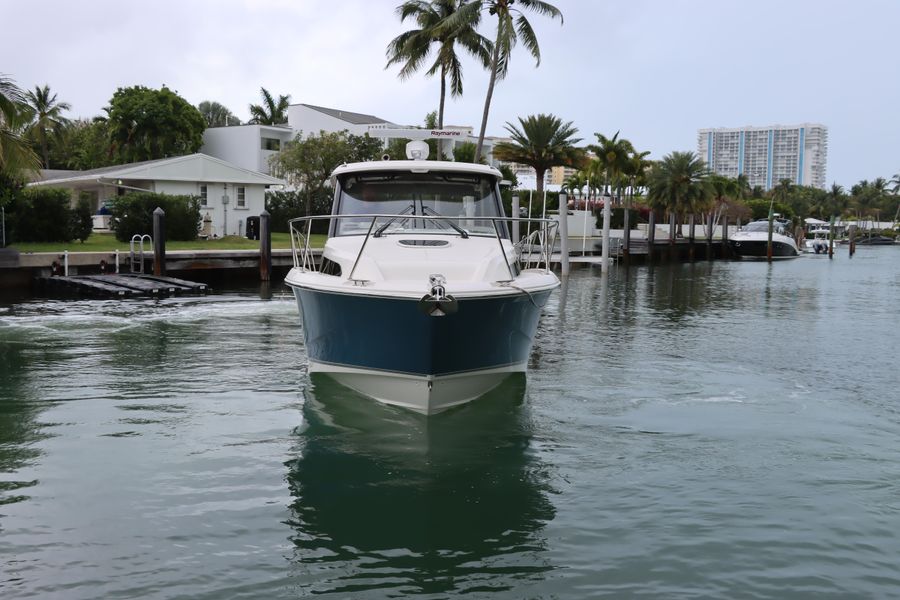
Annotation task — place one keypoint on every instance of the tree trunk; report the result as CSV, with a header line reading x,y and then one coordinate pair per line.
x,y
490,93
440,122
540,182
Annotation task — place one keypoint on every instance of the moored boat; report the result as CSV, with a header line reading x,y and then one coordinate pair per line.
x,y
752,240
420,298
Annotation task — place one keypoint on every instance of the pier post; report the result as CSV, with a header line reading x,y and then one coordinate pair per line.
x,y
604,235
159,242
831,237
709,234
564,234
726,249
651,234
626,233
515,215
691,238
852,240
265,246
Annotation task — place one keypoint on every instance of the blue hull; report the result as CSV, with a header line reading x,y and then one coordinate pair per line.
x,y
393,335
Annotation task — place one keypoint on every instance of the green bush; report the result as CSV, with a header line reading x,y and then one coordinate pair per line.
x,y
284,206
82,221
39,215
132,214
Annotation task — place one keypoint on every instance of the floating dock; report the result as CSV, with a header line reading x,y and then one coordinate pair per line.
x,y
122,286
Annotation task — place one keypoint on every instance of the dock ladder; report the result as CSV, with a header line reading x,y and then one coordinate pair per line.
x,y
137,264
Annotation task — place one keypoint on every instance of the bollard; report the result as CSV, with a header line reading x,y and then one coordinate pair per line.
x,y
265,246
607,217
159,242
516,216
564,234
691,231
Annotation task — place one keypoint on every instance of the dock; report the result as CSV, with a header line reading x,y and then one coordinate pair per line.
x,y
122,286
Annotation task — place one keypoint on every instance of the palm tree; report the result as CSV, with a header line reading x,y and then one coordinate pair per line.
x,y
679,184
217,115
614,156
413,48
511,24
15,153
543,141
47,120
895,180
835,201
269,112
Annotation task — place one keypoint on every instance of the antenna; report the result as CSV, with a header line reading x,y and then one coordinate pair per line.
x,y
417,150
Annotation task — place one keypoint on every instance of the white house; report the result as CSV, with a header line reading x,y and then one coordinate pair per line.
x,y
246,146
250,146
228,193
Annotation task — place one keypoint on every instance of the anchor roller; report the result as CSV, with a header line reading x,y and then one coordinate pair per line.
x,y
438,302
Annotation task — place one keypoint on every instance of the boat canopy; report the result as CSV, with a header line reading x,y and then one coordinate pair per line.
x,y
764,226
464,196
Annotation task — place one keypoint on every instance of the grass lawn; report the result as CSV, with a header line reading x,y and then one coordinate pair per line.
x,y
107,242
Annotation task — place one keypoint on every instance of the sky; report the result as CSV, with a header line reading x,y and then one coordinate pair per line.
x,y
654,70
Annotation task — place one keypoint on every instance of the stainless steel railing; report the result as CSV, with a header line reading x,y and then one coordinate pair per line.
x,y
531,252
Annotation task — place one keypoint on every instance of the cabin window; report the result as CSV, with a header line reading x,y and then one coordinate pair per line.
x,y
241,194
466,197
270,144
203,195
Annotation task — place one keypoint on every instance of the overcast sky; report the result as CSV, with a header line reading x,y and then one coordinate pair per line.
x,y
656,70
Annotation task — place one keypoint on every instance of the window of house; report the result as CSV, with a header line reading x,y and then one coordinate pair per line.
x,y
241,197
203,195
270,144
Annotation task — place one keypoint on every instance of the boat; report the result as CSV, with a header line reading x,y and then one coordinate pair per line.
x,y
818,242
874,240
420,298
751,241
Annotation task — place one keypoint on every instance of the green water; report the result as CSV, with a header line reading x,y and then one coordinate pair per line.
x,y
715,430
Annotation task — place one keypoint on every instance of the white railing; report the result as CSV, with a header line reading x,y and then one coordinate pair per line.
x,y
531,252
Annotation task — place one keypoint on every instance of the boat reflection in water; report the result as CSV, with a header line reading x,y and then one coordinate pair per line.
x,y
392,500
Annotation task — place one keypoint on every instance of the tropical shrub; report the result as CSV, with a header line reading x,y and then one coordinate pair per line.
x,y
284,206
132,214
81,222
39,215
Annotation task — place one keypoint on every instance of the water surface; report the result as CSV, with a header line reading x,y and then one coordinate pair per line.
x,y
707,430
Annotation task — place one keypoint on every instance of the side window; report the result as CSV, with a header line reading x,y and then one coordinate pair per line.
x,y
203,195
241,197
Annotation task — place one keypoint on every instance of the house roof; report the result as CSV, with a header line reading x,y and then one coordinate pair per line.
x,y
192,167
349,117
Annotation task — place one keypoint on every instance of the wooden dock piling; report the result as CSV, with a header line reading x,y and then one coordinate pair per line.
x,y
265,246
159,242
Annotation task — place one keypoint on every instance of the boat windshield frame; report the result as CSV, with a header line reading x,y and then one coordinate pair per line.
x,y
460,197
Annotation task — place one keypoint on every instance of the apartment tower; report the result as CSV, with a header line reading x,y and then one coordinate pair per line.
x,y
766,155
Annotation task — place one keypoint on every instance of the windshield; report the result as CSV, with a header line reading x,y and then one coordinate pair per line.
x,y
764,226
463,196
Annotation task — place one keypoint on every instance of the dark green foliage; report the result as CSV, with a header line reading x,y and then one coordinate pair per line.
x,y
537,202
465,152
396,148
284,206
146,124
132,214
82,222
39,215
760,209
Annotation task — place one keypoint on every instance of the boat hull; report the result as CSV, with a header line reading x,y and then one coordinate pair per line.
x,y
388,349
759,248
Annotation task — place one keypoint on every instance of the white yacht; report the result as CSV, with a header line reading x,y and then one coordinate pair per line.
x,y
752,240
420,298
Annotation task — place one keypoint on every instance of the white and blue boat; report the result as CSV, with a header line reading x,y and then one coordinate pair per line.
x,y
420,298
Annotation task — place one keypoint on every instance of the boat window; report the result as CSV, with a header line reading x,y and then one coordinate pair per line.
x,y
764,226
462,196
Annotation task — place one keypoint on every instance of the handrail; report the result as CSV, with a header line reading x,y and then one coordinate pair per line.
x,y
543,237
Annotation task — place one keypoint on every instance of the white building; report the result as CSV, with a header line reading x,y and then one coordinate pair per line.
x,y
247,146
228,193
251,146
766,155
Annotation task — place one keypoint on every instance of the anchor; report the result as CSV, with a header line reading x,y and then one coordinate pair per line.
x,y
438,303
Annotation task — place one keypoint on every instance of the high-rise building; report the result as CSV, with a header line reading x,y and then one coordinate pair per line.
x,y
766,155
